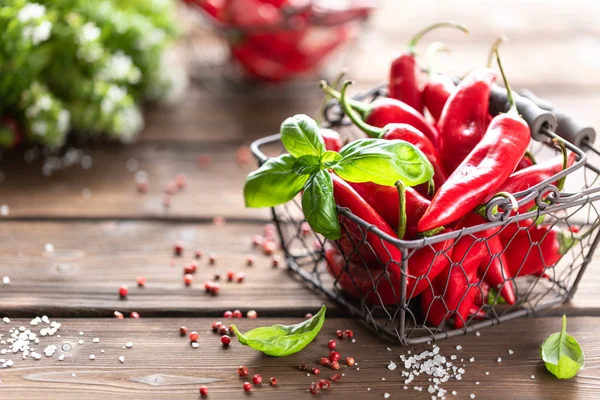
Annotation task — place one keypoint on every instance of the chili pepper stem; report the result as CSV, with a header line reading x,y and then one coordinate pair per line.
x,y
355,118
336,82
499,40
509,93
402,209
432,50
530,155
560,143
430,187
412,43
362,109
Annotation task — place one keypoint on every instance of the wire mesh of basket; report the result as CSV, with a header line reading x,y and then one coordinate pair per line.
x,y
432,288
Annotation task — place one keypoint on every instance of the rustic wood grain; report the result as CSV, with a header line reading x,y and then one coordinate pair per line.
x,y
91,260
161,364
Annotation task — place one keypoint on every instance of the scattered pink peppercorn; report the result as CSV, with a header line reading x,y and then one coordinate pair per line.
x,y
335,377
308,316
314,388
339,333
134,315
275,260
334,365
269,247
212,287
350,361
315,371
225,340
194,336
216,325
212,259
227,314
188,279
178,248
230,329
273,381
239,277
203,391
230,275
183,331
118,315
324,361
269,229
251,314
141,281
257,379
218,221
332,344
190,268
334,356
181,181
123,291
223,330
324,384
249,260
171,188
198,254
242,371
247,386
257,240
204,160
349,334
237,314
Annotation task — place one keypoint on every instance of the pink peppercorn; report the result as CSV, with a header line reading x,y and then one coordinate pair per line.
x,y
230,275
190,268
257,240
203,391
218,221
178,248
212,259
198,254
324,384
247,386
118,315
305,229
350,361
188,279
183,331
335,377
275,260
269,247
134,315
171,188
223,330
237,314
349,334
308,316
334,365
273,381
225,340
123,291
227,314
334,356
242,371
239,277
314,388
194,336
331,344
141,281
339,333
249,260
257,379
251,314
315,371
216,325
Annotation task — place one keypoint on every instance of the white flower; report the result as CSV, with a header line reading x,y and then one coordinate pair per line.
x,y
41,33
64,118
119,67
131,122
89,32
31,11
39,128
44,103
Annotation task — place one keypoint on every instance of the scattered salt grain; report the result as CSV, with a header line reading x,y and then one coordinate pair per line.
x,y
386,395
81,341
6,280
6,320
487,373
383,379
477,333
388,349
405,387
92,357
4,210
472,396
454,393
510,352
122,359
49,247
129,345
61,357
532,376
459,347
392,366
477,383
499,359
81,334
96,340
472,359
195,345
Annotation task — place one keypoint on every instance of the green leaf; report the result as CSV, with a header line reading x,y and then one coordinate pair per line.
x,y
308,164
329,159
300,136
561,353
318,205
384,162
282,340
274,183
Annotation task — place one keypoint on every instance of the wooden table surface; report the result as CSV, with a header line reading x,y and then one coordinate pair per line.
x,y
104,234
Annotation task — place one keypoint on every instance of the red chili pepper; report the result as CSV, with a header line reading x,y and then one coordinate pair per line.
x,y
438,88
527,161
464,118
385,200
375,247
405,72
531,249
455,289
394,131
385,111
484,170
332,139
494,270
531,176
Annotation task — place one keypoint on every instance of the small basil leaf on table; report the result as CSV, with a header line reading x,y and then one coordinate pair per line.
x,y
319,207
300,136
274,183
384,162
561,353
282,340
307,164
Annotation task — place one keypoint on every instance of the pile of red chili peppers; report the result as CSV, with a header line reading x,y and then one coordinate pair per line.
x,y
274,40
476,156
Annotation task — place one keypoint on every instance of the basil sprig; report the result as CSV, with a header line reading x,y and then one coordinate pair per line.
x,y
308,164
282,340
561,353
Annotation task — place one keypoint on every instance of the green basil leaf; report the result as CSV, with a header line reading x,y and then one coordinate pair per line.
x,y
308,164
282,340
561,353
329,159
318,205
274,183
384,162
300,136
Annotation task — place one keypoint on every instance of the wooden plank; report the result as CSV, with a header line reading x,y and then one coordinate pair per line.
x,y
161,364
91,260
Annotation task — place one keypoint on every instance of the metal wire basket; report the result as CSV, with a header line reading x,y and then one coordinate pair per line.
x,y
551,246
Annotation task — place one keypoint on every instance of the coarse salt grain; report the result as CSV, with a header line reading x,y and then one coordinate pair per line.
x,y
61,357
386,395
487,373
499,359
49,247
4,210
392,366
477,333
6,280
96,340
472,396
122,359
471,359
510,352
532,376
129,345
459,347
92,357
